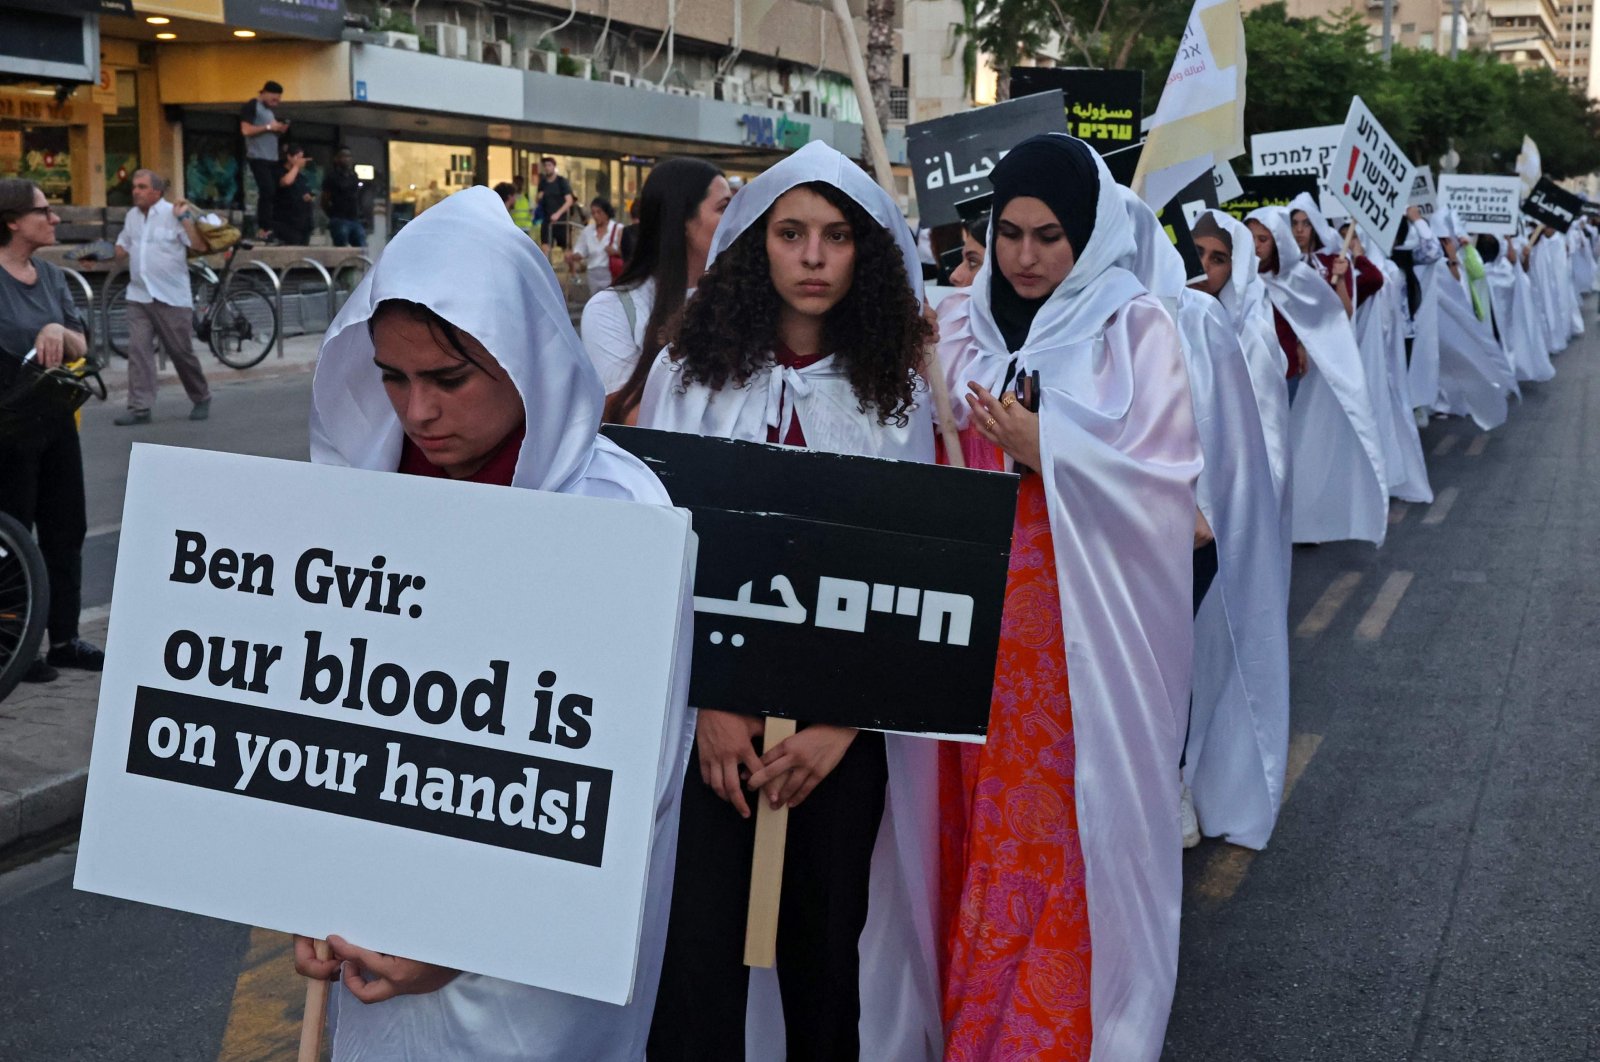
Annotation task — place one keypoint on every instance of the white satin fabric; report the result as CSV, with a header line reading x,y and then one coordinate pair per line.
x,y
1340,485
899,985
1550,275
1380,324
1239,708
1514,316
1581,270
1120,455
1457,367
1245,299
500,290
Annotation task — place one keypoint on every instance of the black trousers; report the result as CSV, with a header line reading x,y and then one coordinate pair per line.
x,y
700,1007
41,485
266,192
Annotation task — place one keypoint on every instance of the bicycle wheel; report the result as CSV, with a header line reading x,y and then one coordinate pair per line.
x,y
243,328
24,600
115,300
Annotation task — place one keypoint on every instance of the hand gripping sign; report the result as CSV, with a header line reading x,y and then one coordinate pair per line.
x,y
1371,176
314,669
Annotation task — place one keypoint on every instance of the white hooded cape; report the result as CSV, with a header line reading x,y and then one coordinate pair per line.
x,y
1469,374
500,290
1245,299
1380,330
1551,278
1520,334
1340,487
1120,455
1239,713
900,991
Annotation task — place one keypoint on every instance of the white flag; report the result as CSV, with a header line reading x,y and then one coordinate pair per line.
x,y
1529,166
1200,119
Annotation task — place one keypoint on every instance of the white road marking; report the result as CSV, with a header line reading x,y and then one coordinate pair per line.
x,y
1328,605
1370,629
1441,506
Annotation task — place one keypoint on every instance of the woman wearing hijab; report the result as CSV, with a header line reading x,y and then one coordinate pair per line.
x,y
1457,366
1063,826
1339,487
806,330
1238,735
1380,325
478,376
679,207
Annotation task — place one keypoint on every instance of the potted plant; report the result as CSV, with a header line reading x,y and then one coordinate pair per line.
x,y
395,30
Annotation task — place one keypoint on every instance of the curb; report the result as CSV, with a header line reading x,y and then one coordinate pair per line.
x,y
43,807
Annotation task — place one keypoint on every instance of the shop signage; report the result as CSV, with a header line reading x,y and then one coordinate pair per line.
x,y
318,19
761,130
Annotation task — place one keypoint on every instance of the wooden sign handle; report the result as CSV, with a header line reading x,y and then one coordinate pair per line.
x,y
766,866
316,1014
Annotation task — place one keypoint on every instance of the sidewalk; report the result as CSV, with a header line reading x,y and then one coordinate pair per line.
x,y
46,730
299,356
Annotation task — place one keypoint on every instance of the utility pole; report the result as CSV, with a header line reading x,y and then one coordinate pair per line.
x,y
1455,27
1388,30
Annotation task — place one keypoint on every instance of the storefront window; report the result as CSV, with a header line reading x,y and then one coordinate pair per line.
x,y
122,141
38,153
421,175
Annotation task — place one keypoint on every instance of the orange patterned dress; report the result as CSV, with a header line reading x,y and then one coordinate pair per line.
x,y
1017,919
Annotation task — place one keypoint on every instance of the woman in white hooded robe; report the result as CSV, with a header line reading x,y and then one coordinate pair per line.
x,y
1514,319
497,314
1339,487
1065,823
775,393
1238,734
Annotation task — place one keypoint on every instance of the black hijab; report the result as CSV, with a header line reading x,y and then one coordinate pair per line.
x,y
1060,172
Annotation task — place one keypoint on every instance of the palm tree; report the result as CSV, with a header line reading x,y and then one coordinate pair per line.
x,y
880,55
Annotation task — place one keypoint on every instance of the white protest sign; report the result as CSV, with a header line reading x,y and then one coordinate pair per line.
x,y
1226,181
1423,195
425,715
1307,150
1484,204
1372,176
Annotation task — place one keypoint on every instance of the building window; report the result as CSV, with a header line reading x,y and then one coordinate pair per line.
x,y
899,105
1408,27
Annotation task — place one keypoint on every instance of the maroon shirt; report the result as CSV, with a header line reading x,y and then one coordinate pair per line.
x,y
497,470
1290,344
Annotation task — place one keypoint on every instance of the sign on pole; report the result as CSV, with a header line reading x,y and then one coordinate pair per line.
x,y
312,668
1226,182
1484,204
1276,190
952,157
1552,205
1372,176
816,568
1103,107
1308,150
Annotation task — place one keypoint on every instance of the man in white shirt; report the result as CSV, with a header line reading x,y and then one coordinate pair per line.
x,y
155,239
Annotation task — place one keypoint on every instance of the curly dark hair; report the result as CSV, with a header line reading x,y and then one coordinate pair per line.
x,y
730,327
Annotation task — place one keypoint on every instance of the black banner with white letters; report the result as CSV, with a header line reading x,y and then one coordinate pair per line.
x,y
951,157
1552,205
845,590
1103,107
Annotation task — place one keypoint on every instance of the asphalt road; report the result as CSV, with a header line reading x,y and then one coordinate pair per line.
x,y
1429,893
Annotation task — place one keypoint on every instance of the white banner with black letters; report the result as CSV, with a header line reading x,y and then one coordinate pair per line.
x,y
1484,204
1307,150
388,707
1371,176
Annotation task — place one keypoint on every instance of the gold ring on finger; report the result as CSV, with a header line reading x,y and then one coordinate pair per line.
x,y
1008,401
990,423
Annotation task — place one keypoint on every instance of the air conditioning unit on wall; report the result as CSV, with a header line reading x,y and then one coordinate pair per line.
x,y
496,53
449,40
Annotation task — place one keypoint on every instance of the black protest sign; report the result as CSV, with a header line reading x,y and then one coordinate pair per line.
x,y
951,157
1590,209
1552,205
1277,189
1103,107
833,589
1178,217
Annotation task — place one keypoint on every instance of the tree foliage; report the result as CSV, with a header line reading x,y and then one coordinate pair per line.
x,y
1302,72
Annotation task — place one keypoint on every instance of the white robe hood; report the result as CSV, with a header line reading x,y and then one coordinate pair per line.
x,y
468,262
1120,455
1239,716
1340,484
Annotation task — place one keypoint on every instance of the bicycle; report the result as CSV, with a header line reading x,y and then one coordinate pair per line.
x,y
237,322
24,600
